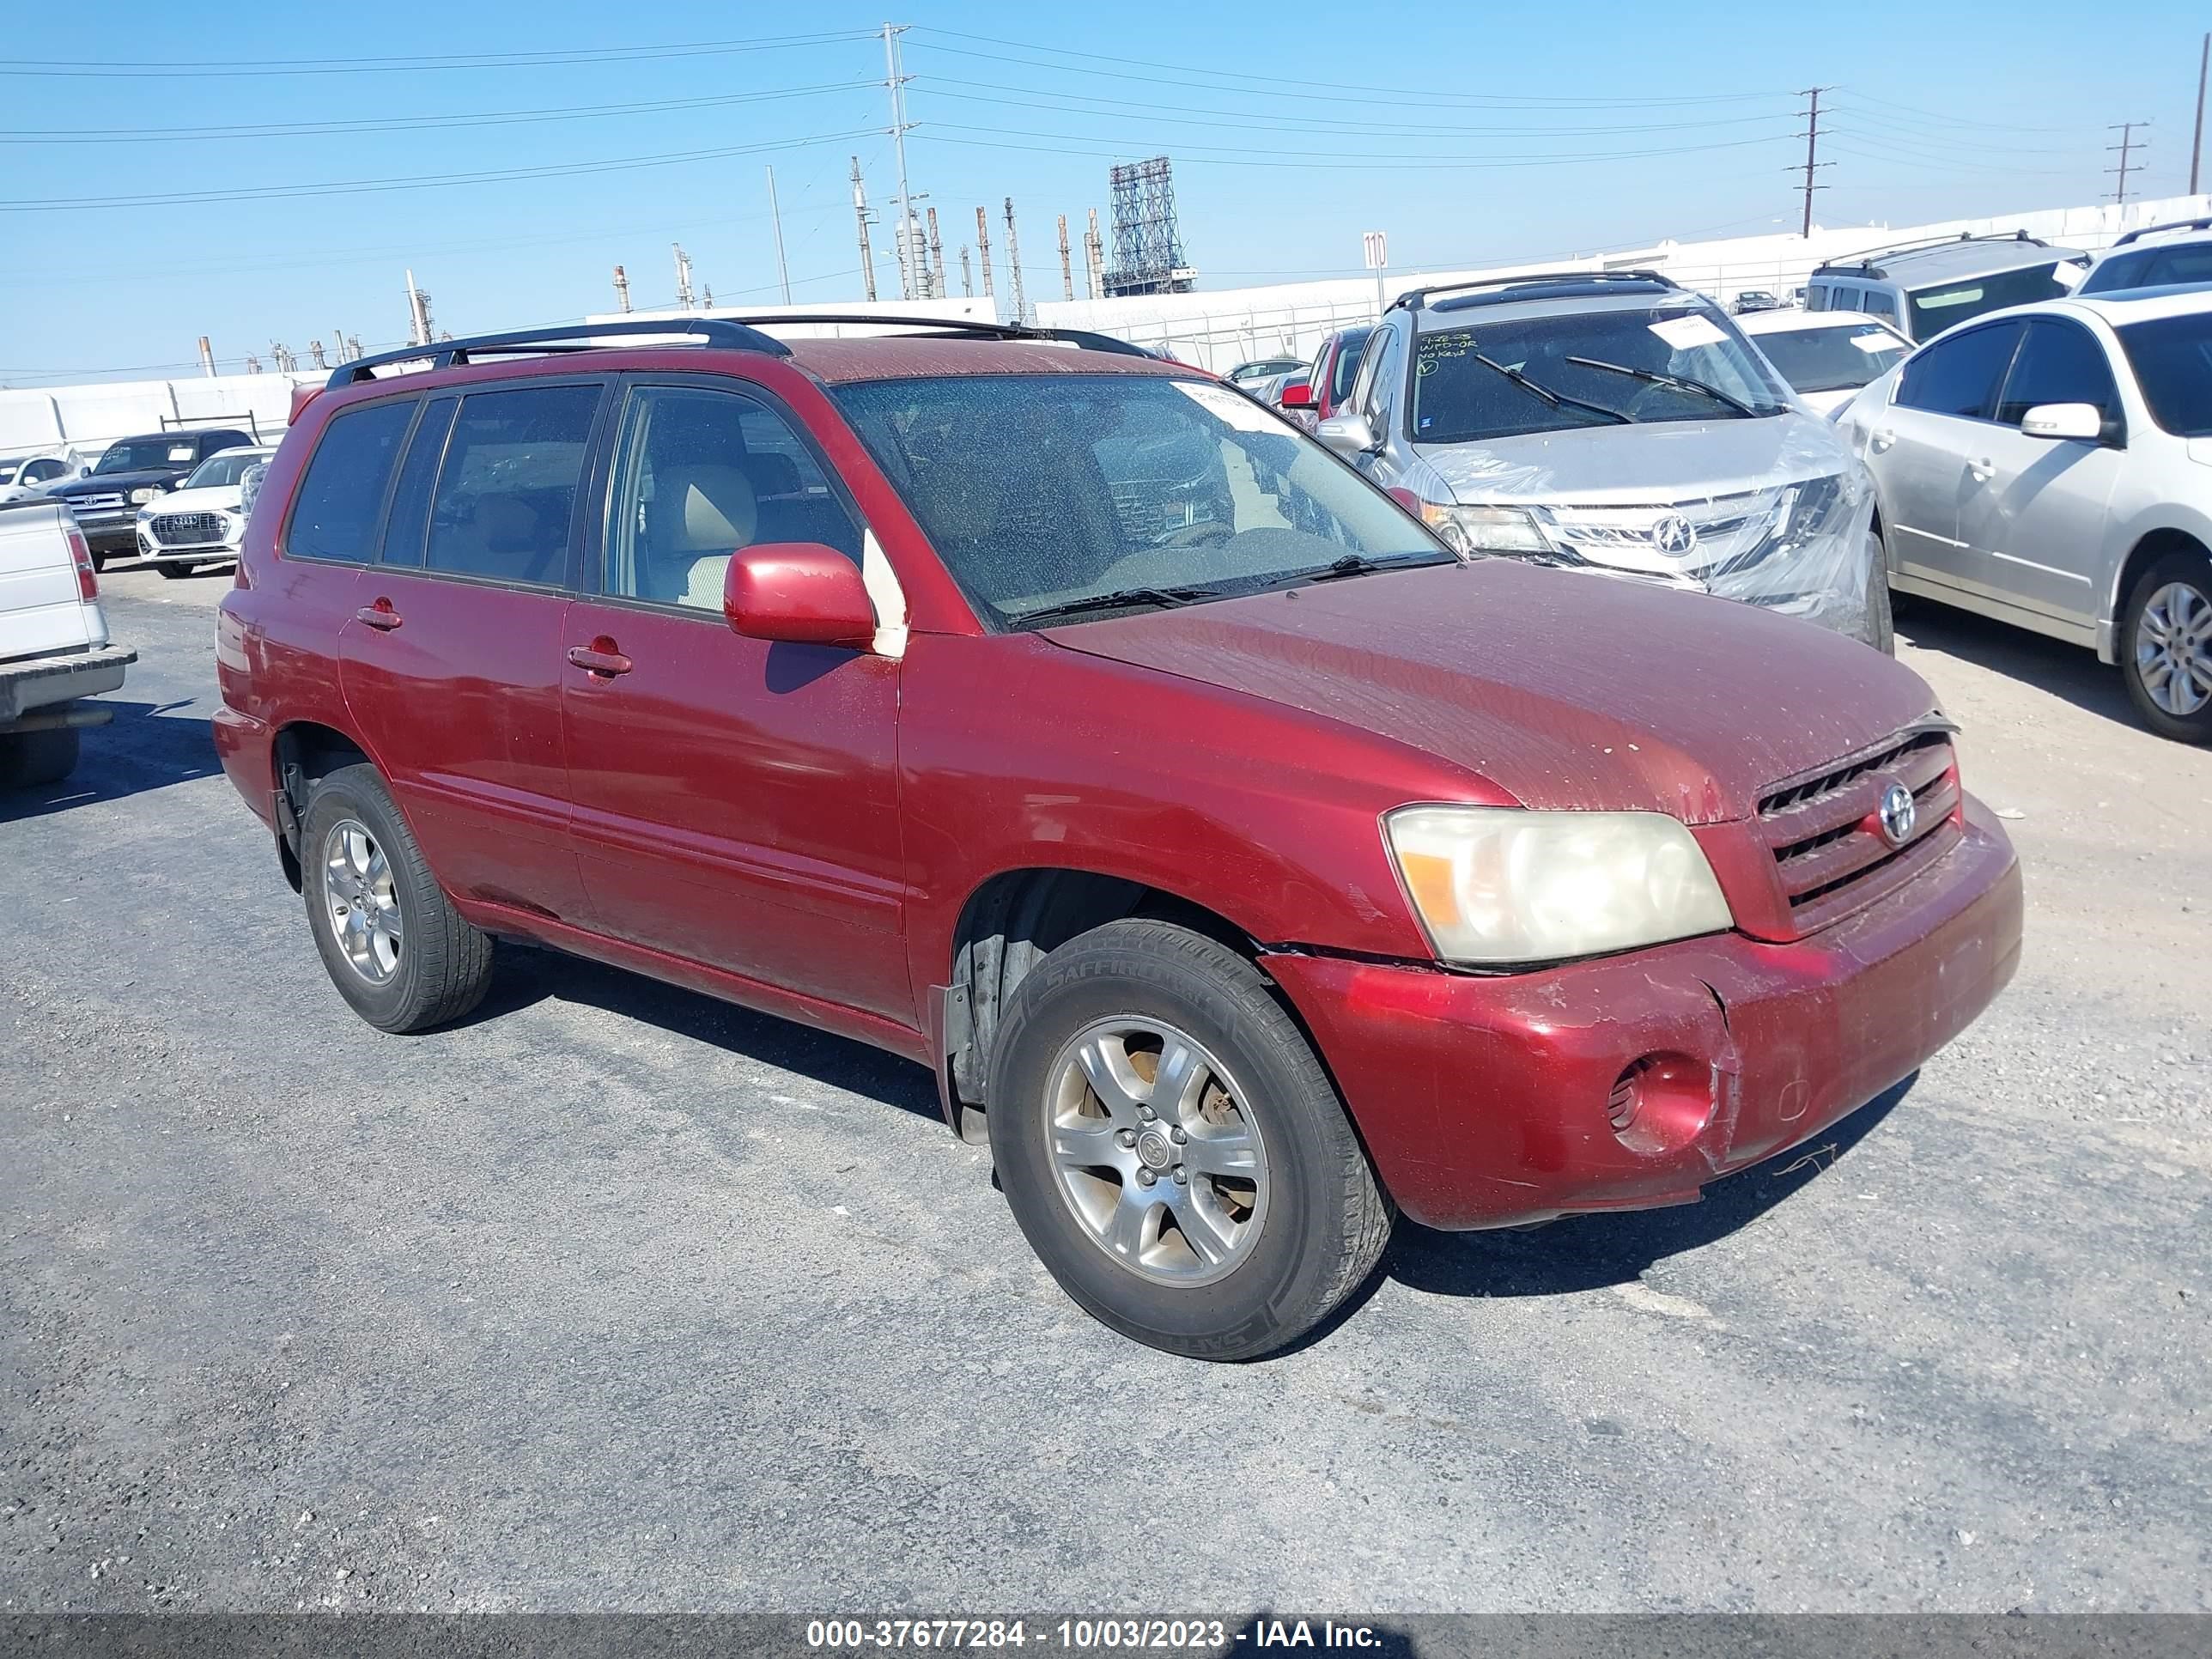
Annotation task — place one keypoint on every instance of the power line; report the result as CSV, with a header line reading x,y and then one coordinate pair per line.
x,y
417,123
932,133
1940,118
422,181
132,68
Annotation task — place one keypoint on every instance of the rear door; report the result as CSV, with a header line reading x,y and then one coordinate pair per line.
x,y
452,659
2034,511
735,800
1919,449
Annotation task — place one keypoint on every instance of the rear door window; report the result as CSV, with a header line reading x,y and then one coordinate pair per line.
x,y
2058,363
340,499
1958,376
505,505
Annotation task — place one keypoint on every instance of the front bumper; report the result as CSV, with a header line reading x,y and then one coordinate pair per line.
x,y
40,682
153,552
1484,1101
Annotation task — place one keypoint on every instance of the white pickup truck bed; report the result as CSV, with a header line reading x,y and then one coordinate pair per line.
x,y
54,647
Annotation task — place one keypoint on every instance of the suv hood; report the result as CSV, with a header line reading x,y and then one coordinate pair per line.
x,y
1567,691
107,483
1658,461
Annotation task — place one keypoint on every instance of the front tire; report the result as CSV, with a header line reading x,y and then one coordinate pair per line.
x,y
2166,647
394,946
28,759
1172,1150
174,571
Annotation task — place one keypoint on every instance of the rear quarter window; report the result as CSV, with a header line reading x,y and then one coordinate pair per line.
x,y
341,498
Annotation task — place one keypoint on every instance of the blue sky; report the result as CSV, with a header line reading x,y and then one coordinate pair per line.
x,y
1469,133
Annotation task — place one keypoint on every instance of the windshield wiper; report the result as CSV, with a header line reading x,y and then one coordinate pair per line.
x,y
1538,389
1678,382
1121,598
1364,564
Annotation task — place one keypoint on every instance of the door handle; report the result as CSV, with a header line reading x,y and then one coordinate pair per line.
x,y
600,659
379,616
1882,439
1980,470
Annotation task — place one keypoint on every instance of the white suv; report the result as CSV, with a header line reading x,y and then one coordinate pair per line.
x,y
2051,466
2158,255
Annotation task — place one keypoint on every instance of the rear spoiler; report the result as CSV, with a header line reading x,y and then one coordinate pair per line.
x,y
301,397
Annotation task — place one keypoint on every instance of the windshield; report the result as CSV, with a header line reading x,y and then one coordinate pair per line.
x,y
1460,398
146,455
1835,359
8,472
1949,304
2173,361
1041,491
226,468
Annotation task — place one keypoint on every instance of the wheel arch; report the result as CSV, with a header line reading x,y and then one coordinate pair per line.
x,y
300,753
1007,925
2149,548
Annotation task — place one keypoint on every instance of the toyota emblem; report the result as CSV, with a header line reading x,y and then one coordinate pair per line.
x,y
1899,811
1675,536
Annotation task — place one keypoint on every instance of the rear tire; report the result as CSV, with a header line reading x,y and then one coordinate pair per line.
x,y
1213,1265
1882,622
394,946
2165,646
99,561
28,759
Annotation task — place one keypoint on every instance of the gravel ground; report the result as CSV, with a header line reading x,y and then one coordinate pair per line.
x,y
619,1299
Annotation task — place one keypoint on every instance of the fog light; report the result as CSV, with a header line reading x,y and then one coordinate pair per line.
x,y
1660,1103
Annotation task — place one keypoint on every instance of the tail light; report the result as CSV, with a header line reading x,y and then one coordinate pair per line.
x,y
87,578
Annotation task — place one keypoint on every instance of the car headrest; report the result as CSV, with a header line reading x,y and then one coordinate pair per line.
x,y
710,508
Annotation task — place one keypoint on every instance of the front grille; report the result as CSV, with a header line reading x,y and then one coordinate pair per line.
x,y
1824,832
187,529
97,504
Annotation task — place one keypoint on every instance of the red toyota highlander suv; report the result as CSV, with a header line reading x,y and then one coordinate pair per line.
x,y
1247,866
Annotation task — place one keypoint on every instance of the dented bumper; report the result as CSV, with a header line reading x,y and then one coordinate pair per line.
x,y
1488,1102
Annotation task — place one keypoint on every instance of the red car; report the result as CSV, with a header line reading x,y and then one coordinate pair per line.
x,y
1320,391
1247,866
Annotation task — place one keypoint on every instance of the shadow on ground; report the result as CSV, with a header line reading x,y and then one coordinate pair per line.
x,y
145,746
526,976
2067,672
1590,1252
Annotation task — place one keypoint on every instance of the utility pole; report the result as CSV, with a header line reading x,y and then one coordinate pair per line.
x,y
1014,266
936,260
315,354
683,276
983,248
418,314
207,358
2196,144
621,289
1067,272
1812,162
1094,260
967,277
909,258
775,213
2128,145
860,215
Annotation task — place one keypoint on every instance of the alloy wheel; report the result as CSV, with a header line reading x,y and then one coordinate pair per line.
x,y
361,903
1155,1149
2173,649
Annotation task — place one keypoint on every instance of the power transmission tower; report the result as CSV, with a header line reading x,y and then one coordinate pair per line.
x,y
909,257
2126,147
1812,162
1014,266
967,276
684,300
983,248
621,289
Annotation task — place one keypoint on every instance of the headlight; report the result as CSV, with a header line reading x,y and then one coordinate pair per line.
x,y
144,494
1494,885
1485,529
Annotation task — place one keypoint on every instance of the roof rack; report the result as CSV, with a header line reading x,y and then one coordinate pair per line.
x,y
1084,339
2152,230
1415,298
1865,262
714,331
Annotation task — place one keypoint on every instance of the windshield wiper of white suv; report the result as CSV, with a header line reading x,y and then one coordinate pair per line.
x,y
1538,389
1678,382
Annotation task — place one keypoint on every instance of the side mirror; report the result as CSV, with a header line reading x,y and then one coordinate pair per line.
x,y
1299,394
799,592
1349,434
1408,499
2063,421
